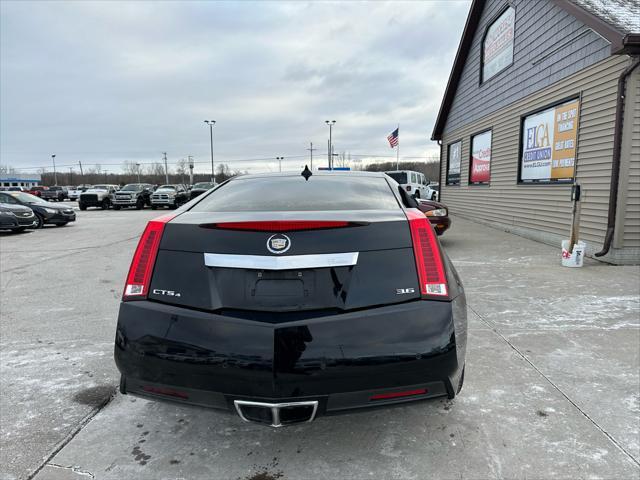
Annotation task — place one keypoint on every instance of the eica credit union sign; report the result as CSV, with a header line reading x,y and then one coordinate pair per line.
x,y
549,141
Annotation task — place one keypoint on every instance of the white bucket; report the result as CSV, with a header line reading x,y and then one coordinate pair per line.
x,y
575,258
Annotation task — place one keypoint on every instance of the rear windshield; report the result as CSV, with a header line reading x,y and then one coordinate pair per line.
x,y
400,177
282,194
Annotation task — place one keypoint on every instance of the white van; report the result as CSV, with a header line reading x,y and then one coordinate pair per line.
x,y
415,183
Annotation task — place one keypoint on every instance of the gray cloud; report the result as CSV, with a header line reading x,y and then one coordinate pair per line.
x,y
104,82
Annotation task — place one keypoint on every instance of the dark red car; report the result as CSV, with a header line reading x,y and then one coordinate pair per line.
x,y
437,213
37,191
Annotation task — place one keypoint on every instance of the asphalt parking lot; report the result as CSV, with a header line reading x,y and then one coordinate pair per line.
x,y
552,387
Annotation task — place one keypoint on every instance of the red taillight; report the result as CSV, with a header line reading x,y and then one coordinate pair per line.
x,y
280,225
144,258
433,279
406,393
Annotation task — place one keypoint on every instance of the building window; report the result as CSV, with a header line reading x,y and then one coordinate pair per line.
x,y
497,45
548,140
454,154
480,164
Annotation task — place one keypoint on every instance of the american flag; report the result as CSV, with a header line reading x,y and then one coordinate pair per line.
x,y
393,138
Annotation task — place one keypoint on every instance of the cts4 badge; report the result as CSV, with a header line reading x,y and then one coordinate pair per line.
x,y
170,293
278,243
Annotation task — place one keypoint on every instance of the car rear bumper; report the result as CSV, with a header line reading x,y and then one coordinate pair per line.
x,y
341,361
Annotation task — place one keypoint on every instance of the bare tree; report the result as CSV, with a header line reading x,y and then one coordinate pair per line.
x,y
223,172
155,170
343,160
7,170
181,169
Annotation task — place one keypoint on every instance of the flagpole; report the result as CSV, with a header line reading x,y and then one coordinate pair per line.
x,y
398,151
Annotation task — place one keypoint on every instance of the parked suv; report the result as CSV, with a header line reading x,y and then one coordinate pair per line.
x,y
171,196
57,194
133,195
97,196
433,191
414,183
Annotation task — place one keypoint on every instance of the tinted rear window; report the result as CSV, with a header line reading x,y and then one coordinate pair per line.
x,y
282,194
399,177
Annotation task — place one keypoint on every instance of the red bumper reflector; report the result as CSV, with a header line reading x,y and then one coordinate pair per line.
x,y
165,391
279,225
407,393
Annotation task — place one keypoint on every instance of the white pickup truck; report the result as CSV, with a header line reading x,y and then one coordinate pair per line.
x,y
97,196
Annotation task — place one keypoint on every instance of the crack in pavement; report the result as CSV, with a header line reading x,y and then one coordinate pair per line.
x,y
557,388
74,469
70,436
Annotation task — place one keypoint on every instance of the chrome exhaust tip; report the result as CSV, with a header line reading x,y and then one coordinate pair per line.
x,y
277,414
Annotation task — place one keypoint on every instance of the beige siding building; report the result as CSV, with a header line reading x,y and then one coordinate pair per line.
x,y
543,96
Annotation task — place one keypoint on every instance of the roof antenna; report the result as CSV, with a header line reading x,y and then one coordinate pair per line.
x,y
306,173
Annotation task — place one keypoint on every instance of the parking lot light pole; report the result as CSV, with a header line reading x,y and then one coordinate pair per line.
x,y
211,123
330,152
55,175
138,165
280,163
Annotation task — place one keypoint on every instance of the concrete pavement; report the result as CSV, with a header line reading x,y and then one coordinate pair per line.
x,y
552,385
60,289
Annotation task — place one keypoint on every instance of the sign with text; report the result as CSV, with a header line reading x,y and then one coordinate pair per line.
x,y
497,48
453,163
480,158
549,141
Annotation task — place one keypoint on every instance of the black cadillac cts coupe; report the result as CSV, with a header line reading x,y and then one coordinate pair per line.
x,y
284,297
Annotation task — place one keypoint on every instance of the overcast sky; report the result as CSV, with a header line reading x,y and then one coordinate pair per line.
x,y
105,82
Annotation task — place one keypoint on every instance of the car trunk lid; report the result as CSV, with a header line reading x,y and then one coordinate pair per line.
x,y
331,260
